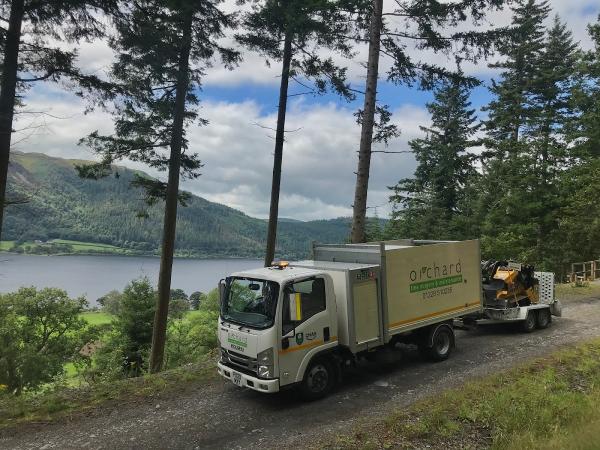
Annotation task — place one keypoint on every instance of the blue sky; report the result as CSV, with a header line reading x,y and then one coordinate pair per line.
x,y
319,159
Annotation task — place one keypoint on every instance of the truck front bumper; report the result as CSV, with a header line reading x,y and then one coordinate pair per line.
x,y
258,384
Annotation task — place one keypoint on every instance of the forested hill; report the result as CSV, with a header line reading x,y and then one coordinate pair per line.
x,y
60,205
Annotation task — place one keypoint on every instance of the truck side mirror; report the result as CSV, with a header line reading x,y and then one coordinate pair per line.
x,y
221,291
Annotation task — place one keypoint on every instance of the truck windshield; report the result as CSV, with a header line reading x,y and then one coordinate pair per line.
x,y
250,302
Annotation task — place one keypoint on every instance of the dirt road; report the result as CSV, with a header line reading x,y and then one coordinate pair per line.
x,y
222,416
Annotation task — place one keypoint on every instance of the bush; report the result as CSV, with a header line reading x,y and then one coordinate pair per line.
x,y
190,338
196,299
111,302
40,331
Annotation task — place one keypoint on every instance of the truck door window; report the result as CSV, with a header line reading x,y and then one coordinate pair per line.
x,y
312,297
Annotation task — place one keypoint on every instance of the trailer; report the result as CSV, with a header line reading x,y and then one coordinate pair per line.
x,y
299,324
515,293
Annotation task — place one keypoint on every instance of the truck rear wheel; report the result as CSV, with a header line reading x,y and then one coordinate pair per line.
x,y
439,343
543,318
319,379
530,322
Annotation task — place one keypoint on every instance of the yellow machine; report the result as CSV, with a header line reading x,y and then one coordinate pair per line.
x,y
509,284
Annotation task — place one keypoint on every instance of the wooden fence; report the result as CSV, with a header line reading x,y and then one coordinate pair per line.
x,y
585,271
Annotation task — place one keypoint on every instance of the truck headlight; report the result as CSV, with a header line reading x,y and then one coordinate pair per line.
x,y
265,363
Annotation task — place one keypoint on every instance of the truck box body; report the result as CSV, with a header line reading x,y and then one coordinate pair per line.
x,y
394,287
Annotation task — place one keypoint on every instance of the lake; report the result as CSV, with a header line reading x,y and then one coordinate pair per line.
x,y
94,276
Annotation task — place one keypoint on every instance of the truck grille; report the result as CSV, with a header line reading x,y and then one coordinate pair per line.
x,y
239,361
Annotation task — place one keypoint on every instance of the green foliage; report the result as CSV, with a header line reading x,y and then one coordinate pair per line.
x,y
196,299
584,132
111,302
312,25
527,153
532,199
123,349
189,338
40,331
67,207
447,29
431,204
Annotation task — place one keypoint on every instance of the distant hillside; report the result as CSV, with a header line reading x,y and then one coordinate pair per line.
x,y
62,206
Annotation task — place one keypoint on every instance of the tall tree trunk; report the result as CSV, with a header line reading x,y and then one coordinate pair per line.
x,y
159,330
366,136
7,95
277,158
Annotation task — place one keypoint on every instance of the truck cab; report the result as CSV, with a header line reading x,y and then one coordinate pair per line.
x,y
276,323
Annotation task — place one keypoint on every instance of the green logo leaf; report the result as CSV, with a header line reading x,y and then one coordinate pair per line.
x,y
299,338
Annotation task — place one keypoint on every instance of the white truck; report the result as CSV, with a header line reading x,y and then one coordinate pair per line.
x,y
300,324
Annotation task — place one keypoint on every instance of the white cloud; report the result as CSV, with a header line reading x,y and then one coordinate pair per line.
x,y
318,165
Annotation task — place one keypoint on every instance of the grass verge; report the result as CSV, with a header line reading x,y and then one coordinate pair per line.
x,y
6,245
551,403
62,401
569,292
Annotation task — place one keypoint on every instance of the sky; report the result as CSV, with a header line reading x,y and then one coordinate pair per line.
x,y
236,147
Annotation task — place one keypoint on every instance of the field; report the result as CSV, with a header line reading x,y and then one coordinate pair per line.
x,y
97,317
568,291
90,246
76,247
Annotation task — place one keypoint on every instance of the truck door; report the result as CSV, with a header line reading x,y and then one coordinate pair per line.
x,y
305,325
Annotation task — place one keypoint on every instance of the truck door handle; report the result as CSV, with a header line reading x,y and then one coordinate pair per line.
x,y
326,334
285,343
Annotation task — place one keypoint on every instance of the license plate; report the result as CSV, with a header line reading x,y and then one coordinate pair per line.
x,y
236,378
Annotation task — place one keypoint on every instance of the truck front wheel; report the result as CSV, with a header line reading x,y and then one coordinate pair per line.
x,y
319,379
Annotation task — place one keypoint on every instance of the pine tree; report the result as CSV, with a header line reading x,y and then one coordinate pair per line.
x,y
439,27
546,132
293,32
510,108
577,236
506,204
32,52
527,139
583,129
428,205
163,47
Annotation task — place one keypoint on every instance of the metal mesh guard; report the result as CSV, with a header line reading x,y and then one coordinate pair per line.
x,y
546,286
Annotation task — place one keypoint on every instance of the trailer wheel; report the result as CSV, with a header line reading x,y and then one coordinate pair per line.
x,y
439,344
319,379
544,318
530,322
